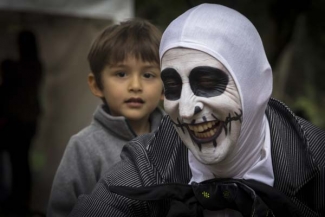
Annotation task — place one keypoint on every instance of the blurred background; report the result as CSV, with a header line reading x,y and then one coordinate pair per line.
x,y
43,55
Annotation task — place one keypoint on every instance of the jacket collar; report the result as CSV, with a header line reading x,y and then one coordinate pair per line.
x,y
119,126
293,164
169,155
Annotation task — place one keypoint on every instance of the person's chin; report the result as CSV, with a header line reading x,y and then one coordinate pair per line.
x,y
209,154
134,114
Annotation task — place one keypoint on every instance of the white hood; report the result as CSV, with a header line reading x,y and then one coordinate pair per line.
x,y
232,39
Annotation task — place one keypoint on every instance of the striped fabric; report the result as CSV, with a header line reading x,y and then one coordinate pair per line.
x,y
298,150
298,156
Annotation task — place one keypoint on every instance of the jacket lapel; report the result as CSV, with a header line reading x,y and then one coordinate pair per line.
x,y
169,155
292,167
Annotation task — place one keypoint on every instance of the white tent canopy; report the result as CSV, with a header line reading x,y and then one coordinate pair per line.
x,y
115,10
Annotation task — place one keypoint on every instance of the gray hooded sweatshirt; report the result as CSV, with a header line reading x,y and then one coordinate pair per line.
x,y
88,155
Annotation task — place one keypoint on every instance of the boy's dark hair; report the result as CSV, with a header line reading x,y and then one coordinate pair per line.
x,y
137,37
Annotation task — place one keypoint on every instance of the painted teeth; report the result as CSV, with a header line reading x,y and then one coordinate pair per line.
x,y
205,129
206,134
202,127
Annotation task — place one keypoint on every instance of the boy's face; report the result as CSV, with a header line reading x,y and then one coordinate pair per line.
x,y
203,101
131,88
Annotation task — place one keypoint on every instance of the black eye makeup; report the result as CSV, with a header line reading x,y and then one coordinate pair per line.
x,y
172,83
208,81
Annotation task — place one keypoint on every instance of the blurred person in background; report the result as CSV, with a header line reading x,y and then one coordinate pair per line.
x,y
20,109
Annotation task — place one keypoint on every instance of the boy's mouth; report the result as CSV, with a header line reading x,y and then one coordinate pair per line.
x,y
134,102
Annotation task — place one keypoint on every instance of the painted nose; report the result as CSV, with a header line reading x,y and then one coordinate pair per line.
x,y
197,109
188,105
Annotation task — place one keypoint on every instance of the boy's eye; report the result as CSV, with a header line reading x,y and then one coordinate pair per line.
x,y
148,75
121,74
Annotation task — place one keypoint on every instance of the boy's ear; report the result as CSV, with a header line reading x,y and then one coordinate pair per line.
x,y
162,97
93,86
162,94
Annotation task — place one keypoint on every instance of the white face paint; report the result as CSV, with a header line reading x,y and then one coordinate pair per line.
x,y
203,102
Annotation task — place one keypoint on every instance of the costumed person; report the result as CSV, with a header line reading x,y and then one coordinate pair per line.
x,y
235,151
125,74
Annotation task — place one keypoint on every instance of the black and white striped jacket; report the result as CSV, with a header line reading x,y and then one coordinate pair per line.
x,y
298,156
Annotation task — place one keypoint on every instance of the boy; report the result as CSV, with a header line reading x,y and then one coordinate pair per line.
x,y
125,74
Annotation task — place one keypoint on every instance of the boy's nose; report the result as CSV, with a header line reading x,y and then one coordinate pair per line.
x,y
135,84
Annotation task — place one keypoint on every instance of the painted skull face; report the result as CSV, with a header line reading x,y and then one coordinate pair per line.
x,y
203,102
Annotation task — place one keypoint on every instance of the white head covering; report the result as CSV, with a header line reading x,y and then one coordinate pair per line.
x,y
232,39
